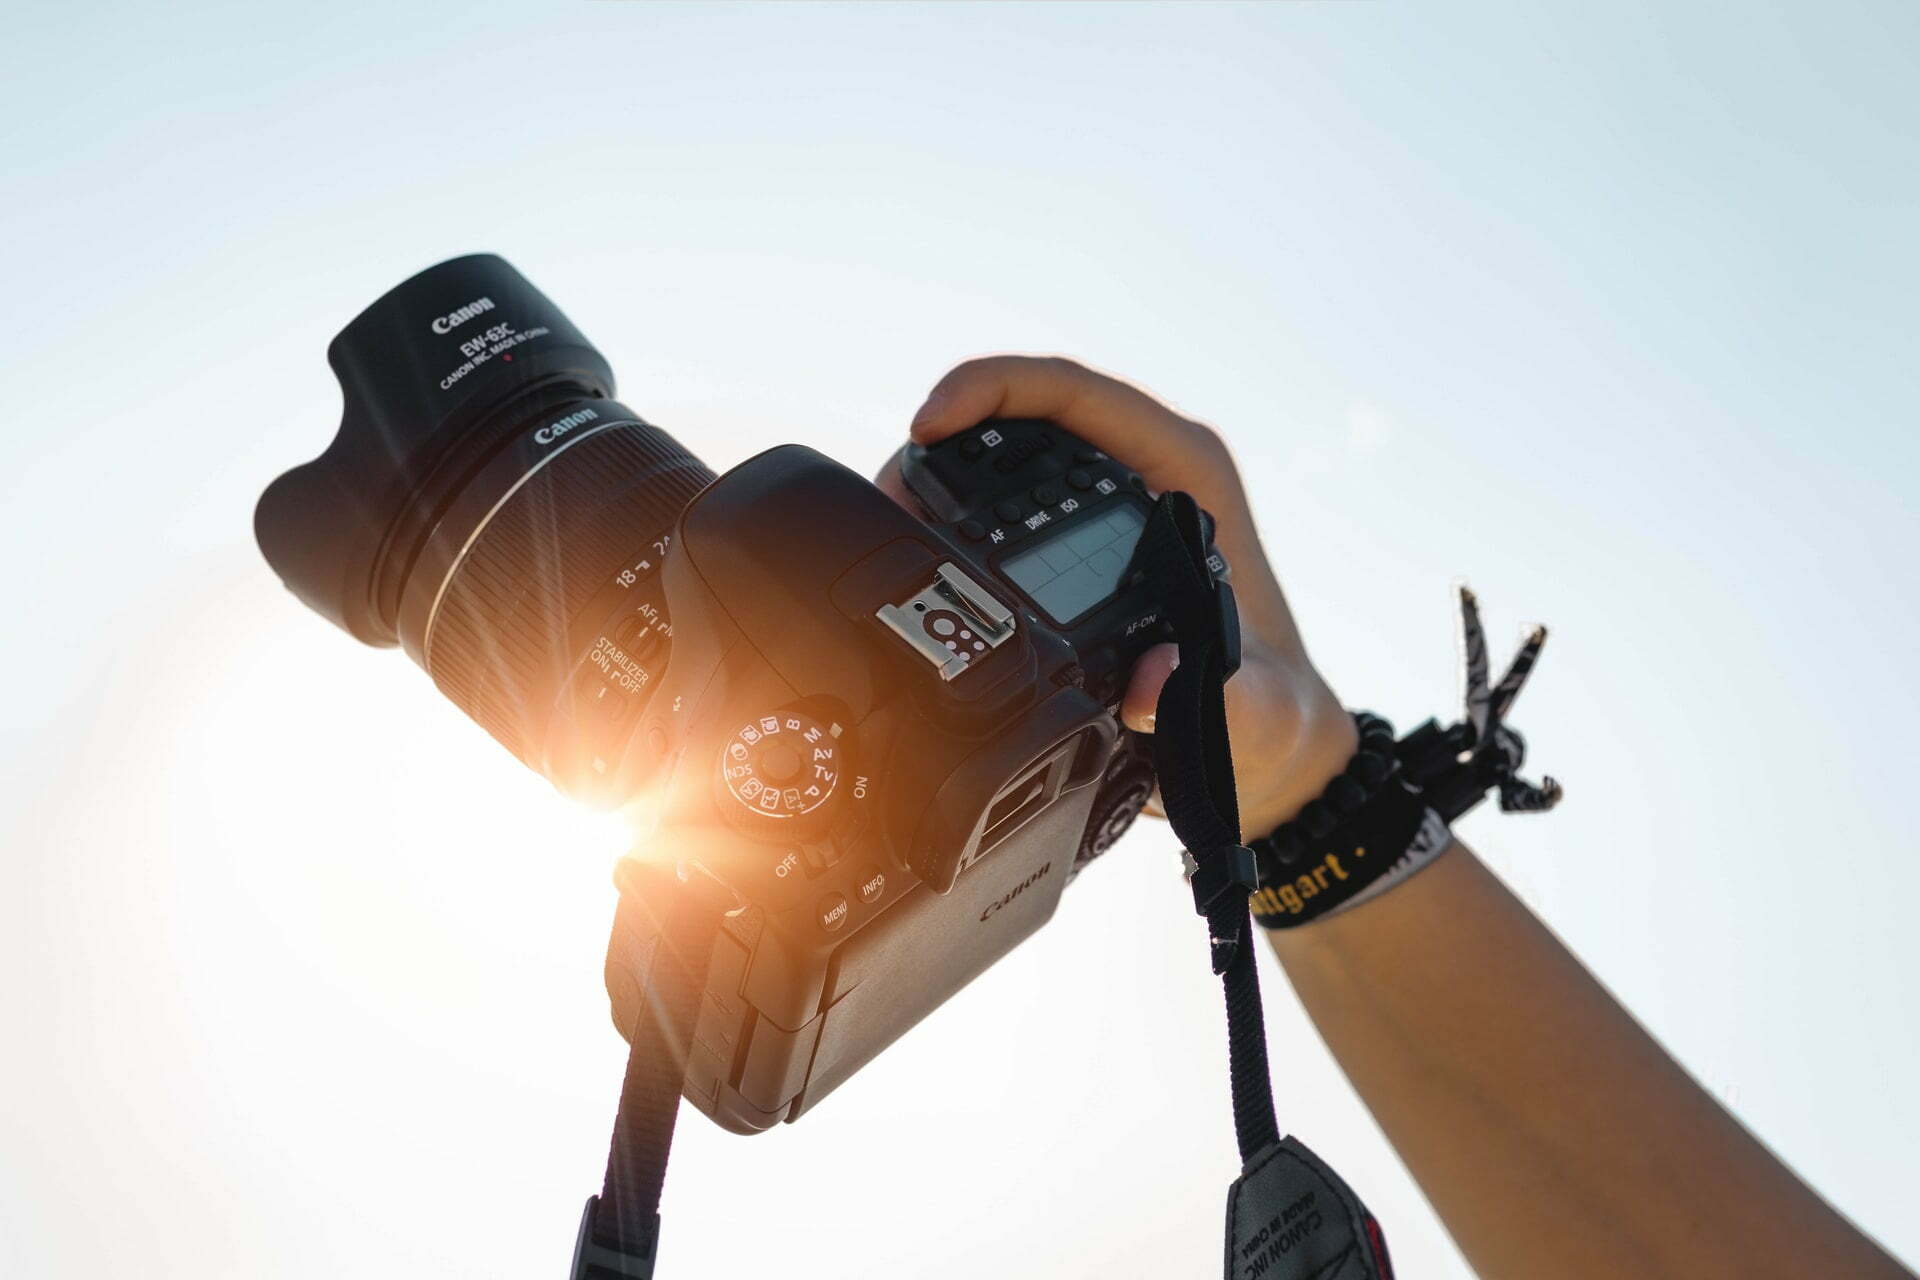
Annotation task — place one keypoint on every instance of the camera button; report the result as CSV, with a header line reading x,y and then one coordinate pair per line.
x,y
780,765
971,448
972,530
832,911
1007,510
1088,456
1079,479
1046,495
872,886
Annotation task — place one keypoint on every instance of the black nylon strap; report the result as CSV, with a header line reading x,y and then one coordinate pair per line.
x,y
1192,755
1289,1216
1194,761
662,943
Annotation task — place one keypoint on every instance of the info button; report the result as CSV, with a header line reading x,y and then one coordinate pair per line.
x,y
832,910
872,887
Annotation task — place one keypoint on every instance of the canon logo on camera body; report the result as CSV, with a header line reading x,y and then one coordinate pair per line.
x,y
1017,890
459,316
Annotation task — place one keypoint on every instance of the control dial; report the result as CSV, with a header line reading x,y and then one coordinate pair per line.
x,y
1124,790
782,767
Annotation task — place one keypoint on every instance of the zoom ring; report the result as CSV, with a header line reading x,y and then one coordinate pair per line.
x,y
497,644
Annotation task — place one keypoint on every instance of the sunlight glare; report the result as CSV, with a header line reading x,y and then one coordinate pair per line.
x,y
578,833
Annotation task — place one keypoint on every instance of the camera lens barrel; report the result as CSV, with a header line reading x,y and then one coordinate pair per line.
x,y
483,485
489,604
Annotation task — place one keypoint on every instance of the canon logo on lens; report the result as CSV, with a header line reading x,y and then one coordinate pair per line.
x,y
553,431
454,319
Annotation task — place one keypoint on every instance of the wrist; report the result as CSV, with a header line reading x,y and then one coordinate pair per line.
x,y
1286,775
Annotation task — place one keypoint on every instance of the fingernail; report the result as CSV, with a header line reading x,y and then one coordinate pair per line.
x,y
1147,720
929,408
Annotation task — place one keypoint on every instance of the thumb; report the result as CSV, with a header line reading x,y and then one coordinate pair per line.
x,y
1149,676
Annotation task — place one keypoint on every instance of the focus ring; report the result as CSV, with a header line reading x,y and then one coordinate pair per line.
x,y
497,641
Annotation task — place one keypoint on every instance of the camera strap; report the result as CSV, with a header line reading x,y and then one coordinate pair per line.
x,y
662,943
1289,1215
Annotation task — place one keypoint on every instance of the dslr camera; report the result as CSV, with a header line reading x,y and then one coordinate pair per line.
x,y
891,737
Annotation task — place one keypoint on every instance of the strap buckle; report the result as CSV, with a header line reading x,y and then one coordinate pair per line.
x,y
1227,870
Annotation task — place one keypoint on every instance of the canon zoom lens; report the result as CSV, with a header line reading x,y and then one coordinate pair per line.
x,y
489,506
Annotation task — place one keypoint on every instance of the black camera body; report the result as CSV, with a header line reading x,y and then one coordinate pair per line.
x,y
872,737
892,740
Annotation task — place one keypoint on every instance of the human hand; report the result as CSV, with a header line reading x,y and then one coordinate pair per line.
x,y
1290,734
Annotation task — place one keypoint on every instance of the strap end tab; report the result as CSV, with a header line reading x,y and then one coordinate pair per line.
x,y
595,1261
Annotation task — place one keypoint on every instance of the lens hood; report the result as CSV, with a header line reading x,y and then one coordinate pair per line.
x,y
434,375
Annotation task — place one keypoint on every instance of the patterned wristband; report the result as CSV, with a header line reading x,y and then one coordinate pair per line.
x,y
1370,829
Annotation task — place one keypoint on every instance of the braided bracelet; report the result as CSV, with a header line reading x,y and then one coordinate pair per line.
x,y
1369,829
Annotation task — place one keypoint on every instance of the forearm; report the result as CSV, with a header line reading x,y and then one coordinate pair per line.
x,y
1550,1132
1555,1138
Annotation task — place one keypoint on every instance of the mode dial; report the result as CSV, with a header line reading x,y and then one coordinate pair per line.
x,y
782,767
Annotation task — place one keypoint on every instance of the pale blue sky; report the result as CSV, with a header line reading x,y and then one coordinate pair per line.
x,y
1606,309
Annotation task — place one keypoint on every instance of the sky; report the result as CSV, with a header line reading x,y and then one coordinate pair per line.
x,y
1606,310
